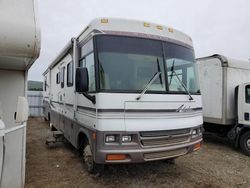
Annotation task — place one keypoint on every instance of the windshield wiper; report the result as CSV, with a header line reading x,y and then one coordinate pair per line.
x,y
148,85
182,84
159,70
172,72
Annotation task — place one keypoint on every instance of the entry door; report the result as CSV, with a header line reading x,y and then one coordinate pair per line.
x,y
62,99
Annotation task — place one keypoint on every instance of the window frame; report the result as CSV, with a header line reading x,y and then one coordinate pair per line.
x,y
90,48
70,84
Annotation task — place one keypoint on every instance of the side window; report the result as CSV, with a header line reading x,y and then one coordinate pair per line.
x,y
58,78
90,65
62,73
82,62
248,94
45,83
87,60
70,74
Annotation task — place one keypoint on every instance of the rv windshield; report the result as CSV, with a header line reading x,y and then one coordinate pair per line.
x,y
181,69
127,64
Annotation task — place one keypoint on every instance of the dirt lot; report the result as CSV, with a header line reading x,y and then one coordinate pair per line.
x,y
217,164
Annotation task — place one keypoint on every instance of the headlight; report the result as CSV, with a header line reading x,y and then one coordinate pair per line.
x,y
195,133
110,138
126,138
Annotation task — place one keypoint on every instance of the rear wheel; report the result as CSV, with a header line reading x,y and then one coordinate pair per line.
x,y
89,162
245,143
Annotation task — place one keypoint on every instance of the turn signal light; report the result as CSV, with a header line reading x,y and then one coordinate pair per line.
x,y
197,146
115,157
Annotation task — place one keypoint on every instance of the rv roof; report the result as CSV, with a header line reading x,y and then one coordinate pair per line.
x,y
229,62
127,28
139,28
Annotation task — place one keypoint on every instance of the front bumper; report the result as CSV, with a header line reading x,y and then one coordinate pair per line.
x,y
139,153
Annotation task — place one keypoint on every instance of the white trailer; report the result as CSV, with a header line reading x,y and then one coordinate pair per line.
x,y
225,86
19,47
125,91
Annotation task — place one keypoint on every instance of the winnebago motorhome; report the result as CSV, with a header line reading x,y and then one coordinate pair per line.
x,y
126,91
19,47
225,88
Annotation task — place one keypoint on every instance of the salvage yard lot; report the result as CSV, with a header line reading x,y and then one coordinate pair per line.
x,y
217,164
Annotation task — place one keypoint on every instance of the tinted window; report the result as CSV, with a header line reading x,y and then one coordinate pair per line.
x,y
62,73
129,63
45,83
88,62
58,78
70,74
248,94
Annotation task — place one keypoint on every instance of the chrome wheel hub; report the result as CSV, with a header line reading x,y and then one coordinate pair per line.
x,y
248,143
88,157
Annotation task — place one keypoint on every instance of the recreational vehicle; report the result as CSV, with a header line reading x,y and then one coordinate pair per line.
x,y
225,88
126,91
19,47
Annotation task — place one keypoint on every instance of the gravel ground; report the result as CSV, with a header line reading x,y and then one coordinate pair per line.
x,y
217,164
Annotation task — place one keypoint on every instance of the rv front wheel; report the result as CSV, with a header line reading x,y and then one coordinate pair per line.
x,y
245,143
89,162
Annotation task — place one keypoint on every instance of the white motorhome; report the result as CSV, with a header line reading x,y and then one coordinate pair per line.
x,y
19,47
225,92
126,91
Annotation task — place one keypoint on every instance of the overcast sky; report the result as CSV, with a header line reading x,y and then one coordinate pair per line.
x,y
216,26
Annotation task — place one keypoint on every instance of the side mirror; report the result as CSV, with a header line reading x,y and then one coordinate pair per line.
x,y
82,80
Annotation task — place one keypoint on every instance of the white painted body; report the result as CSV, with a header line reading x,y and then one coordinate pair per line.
x,y
243,104
110,113
19,47
218,78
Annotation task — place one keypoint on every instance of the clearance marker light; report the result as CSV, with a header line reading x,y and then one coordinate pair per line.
x,y
159,27
104,21
171,30
146,24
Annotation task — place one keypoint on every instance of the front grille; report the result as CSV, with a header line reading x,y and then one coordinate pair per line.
x,y
164,132
165,154
162,138
167,141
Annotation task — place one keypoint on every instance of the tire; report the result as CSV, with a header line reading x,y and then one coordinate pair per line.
x,y
245,143
89,163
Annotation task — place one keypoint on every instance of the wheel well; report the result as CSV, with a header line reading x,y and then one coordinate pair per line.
x,y
82,139
243,130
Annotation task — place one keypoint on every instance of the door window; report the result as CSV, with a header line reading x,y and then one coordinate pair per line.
x,y
89,63
248,94
70,74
